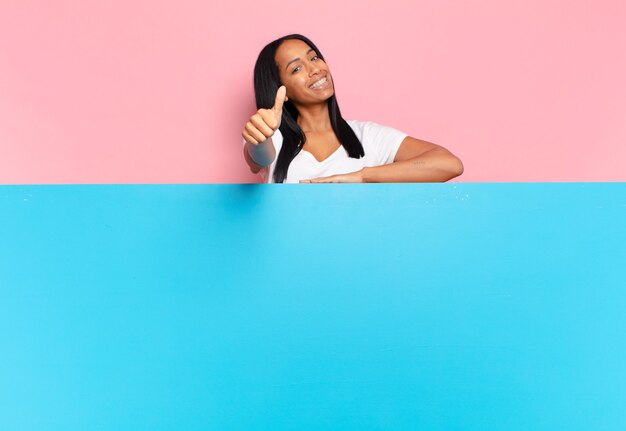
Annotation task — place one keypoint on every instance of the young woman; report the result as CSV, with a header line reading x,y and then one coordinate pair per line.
x,y
299,135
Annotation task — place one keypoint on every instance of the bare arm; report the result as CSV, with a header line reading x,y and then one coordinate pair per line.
x,y
416,161
265,153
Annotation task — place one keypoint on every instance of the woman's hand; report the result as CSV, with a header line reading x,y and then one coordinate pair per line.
x,y
265,122
353,177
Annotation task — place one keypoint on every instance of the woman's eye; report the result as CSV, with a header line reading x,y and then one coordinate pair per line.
x,y
314,58
296,69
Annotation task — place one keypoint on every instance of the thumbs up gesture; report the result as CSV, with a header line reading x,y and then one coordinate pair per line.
x,y
265,122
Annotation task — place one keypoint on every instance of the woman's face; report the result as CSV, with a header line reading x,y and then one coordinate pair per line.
x,y
305,75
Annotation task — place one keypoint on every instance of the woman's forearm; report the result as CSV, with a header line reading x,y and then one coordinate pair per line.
x,y
262,154
436,165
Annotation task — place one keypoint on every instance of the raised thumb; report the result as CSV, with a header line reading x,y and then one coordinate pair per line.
x,y
280,100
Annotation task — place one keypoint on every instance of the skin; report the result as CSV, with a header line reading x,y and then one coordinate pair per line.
x,y
299,67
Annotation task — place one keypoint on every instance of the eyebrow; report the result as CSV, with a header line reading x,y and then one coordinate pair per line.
x,y
297,58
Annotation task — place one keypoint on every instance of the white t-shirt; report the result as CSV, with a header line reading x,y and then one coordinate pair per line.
x,y
380,144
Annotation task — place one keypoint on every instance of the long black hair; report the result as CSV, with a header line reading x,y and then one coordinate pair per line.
x,y
267,82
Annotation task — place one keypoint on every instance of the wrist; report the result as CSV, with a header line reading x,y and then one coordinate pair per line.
x,y
366,174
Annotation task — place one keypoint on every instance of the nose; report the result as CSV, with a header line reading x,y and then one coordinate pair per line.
x,y
314,69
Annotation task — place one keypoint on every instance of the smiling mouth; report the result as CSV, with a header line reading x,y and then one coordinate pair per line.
x,y
321,83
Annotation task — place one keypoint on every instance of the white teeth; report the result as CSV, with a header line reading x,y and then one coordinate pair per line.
x,y
319,83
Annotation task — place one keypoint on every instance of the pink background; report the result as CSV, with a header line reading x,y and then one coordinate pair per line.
x,y
153,91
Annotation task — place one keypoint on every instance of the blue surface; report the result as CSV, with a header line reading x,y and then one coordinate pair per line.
x,y
297,307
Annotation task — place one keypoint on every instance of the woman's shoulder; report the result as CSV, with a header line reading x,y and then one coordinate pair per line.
x,y
360,128
381,143
371,128
360,124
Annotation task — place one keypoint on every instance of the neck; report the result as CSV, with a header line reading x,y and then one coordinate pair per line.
x,y
314,118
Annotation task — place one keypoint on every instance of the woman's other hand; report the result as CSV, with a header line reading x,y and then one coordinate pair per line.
x,y
352,177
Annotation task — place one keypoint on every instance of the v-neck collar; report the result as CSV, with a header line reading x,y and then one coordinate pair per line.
x,y
318,161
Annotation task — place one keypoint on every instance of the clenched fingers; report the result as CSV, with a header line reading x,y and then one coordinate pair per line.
x,y
254,132
259,122
249,138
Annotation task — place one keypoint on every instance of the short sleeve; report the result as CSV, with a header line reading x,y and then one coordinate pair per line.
x,y
380,143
